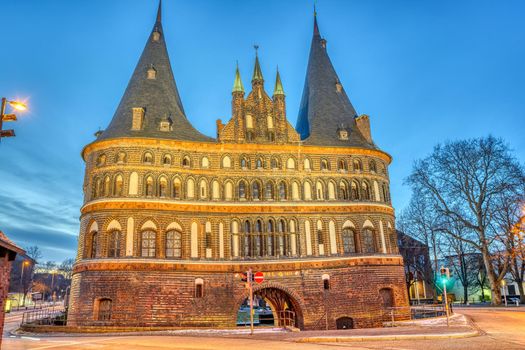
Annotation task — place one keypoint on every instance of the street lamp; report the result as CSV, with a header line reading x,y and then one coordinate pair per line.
x,y
19,106
24,264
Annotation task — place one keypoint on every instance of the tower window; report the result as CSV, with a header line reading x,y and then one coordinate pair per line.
x,y
151,73
138,117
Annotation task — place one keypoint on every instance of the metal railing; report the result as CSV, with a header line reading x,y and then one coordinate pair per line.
x,y
403,313
45,316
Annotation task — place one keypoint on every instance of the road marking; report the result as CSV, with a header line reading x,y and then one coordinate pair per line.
x,y
30,338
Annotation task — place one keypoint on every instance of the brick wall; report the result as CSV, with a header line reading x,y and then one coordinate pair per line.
x,y
163,294
5,269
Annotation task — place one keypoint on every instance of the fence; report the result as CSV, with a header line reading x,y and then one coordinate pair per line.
x,y
393,314
45,316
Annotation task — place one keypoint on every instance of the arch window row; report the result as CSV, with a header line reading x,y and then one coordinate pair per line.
x,y
256,190
250,239
257,162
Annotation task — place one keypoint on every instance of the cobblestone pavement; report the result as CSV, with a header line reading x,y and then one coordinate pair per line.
x,y
499,328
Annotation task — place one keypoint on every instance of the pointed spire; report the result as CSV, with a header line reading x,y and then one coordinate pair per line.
x,y
325,104
152,89
159,12
278,90
316,27
237,84
257,73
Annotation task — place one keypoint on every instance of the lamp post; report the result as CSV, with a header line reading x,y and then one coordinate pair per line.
x,y
24,263
9,117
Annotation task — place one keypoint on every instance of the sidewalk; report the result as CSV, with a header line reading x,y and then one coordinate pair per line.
x,y
435,328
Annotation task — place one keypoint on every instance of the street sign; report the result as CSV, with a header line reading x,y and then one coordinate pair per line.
x,y
259,277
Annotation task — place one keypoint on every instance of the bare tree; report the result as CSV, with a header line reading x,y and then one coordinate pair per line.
x,y
34,253
467,181
421,222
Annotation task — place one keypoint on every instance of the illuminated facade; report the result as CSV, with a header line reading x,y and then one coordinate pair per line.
x,y
171,217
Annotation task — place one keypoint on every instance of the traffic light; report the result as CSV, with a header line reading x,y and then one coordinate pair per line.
x,y
247,276
445,274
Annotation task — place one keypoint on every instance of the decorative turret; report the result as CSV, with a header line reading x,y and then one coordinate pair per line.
x,y
325,106
278,90
152,97
257,72
237,83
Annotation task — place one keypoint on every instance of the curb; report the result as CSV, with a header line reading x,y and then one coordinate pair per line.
x,y
386,337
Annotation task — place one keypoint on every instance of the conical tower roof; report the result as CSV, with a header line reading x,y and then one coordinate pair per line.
x,y
325,106
257,72
237,83
278,90
158,96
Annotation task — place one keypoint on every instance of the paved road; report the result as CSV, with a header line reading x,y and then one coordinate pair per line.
x,y
503,330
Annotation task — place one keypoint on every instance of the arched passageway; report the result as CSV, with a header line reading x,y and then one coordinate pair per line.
x,y
272,307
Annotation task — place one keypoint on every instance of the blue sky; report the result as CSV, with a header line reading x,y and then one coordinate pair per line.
x,y
425,72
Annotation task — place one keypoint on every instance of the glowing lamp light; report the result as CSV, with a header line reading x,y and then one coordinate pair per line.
x,y
19,106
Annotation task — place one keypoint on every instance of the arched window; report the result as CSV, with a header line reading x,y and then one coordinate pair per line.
x,y
147,158
98,188
357,165
199,288
107,186
163,187
247,240
242,190
269,190
176,188
307,191
295,191
93,248
190,188
270,250
259,163
228,191
101,160
319,190
147,244
386,195
226,162
281,229
342,165
348,241
368,240
114,244
324,164
366,191
343,191
259,244
205,162
387,297
326,281
117,186
166,160
274,163
148,190
186,162
104,309
245,164
203,189
173,244
121,158
256,191
290,163
282,190
373,166
306,164
355,190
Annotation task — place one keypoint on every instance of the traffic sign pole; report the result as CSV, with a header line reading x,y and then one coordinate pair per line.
x,y
251,299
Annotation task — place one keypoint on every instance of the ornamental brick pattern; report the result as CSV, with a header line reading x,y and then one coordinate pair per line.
x,y
171,218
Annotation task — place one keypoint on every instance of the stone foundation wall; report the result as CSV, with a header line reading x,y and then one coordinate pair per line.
x,y
164,294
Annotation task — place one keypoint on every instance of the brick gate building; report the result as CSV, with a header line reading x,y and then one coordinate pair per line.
x,y
172,217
